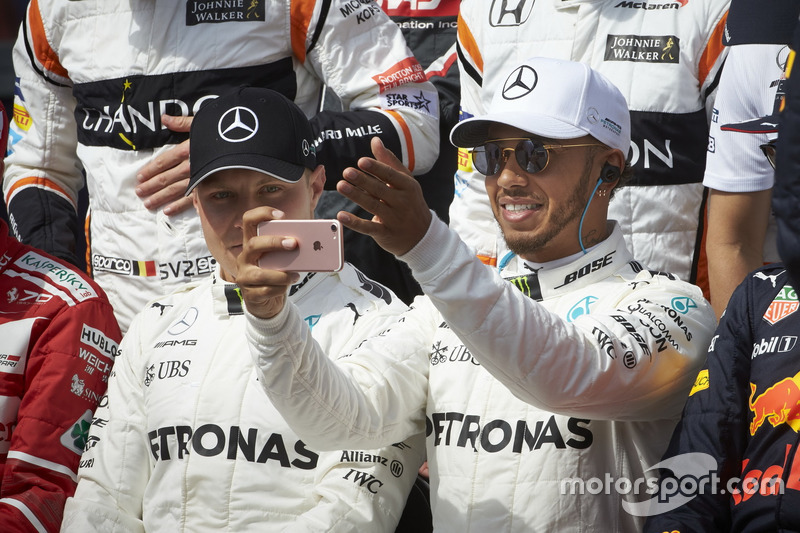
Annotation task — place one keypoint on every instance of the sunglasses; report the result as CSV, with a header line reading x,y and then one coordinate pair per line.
x,y
769,151
532,155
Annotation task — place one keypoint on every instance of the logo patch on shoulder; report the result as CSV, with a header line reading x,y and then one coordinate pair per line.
x,y
784,304
701,383
76,437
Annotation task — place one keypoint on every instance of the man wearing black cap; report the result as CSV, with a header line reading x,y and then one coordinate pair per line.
x,y
564,368
186,440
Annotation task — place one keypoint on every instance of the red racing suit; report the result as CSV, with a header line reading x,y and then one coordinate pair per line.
x,y
58,340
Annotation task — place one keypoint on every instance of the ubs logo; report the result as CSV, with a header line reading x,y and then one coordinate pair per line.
x,y
238,124
510,12
188,319
520,83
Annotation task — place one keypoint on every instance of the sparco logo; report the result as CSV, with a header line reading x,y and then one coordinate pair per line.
x,y
510,12
111,264
237,125
520,83
185,322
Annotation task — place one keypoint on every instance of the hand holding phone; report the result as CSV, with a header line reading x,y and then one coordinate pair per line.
x,y
319,246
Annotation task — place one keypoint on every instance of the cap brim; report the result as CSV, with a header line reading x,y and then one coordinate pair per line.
x,y
270,166
475,131
768,124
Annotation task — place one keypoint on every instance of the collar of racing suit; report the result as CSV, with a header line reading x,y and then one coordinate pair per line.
x,y
227,297
553,279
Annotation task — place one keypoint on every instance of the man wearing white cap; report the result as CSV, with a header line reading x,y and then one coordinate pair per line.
x,y
560,373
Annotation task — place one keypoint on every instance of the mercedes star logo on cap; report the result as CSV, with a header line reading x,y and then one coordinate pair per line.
x,y
520,83
238,124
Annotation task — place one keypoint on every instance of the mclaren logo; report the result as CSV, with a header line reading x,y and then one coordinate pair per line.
x,y
188,319
238,124
520,83
510,12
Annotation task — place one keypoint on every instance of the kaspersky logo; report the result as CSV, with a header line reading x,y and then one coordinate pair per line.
x,y
779,404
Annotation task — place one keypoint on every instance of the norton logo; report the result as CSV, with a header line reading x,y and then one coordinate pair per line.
x,y
237,125
520,83
184,323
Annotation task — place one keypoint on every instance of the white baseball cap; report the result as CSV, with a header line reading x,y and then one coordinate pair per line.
x,y
555,99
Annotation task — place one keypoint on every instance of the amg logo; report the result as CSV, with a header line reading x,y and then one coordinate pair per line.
x,y
643,49
185,342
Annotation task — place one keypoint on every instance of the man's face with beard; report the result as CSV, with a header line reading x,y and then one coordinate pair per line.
x,y
540,213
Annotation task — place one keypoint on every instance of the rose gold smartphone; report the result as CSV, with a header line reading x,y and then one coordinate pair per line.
x,y
319,246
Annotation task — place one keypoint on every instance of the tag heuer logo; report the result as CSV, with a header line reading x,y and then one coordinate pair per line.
x,y
784,304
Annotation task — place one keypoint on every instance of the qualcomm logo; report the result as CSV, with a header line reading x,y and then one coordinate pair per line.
x,y
238,124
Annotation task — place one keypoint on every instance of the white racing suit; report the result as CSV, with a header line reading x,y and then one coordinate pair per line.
x,y
94,77
186,439
529,399
663,55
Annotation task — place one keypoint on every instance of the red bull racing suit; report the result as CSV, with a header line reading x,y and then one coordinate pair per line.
x,y
95,76
665,57
186,439
533,388
58,341
744,413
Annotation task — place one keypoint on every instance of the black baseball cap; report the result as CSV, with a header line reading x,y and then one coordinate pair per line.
x,y
251,128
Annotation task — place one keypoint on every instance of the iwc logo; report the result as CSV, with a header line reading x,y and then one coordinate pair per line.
x,y
238,124
520,83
